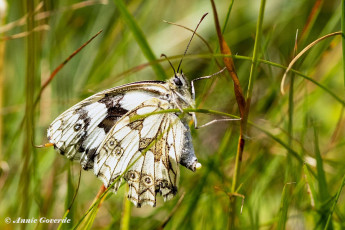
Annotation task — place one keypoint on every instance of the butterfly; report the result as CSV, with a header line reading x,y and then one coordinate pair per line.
x,y
122,133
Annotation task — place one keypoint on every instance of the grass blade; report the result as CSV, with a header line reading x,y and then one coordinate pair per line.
x,y
343,34
254,66
126,212
303,52
322,183
319,167
335,203
283,210
140,38
27,153
89,217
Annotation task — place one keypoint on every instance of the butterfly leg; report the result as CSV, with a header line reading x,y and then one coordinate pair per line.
x,y
215,121
204,77
193,92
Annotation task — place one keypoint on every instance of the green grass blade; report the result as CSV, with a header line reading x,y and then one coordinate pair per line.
x,y
62,225
226,18
322,184
28,151
343,35
289,174
88,221
313,15
335,203
126,212
89,217
140,38
314,56
283,210
258,35
69,198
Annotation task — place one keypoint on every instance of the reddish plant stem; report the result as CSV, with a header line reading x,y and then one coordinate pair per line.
x,y
243,108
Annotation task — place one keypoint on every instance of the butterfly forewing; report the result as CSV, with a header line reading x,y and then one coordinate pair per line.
x,y
78,132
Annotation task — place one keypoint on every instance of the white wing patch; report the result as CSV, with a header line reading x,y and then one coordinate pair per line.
x,y
96,137
150,127
132,99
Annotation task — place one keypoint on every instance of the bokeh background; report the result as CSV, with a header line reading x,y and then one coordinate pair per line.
x,y
293,162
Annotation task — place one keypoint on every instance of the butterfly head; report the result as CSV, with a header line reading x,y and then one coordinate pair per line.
x,y
180,87
180,81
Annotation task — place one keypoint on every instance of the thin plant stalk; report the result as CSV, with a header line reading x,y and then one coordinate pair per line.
x,y
241,142
126,212
2,55
29,116
343,34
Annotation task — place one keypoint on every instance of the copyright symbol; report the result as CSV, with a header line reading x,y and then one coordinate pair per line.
x,y
7,220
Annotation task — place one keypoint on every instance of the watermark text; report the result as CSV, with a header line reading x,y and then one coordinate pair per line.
x,y
44,220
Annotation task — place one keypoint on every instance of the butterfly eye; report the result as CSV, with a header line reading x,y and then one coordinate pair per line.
x,y
177,81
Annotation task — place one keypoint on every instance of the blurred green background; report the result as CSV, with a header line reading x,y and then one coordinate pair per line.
x,y
293,162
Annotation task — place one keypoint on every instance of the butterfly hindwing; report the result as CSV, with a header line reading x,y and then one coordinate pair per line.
x,y
149,148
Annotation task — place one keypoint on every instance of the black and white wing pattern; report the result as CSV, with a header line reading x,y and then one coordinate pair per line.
x,y
78,132
102,133
147,152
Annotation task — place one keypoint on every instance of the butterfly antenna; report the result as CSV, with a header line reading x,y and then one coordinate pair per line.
x,y
163,55
202,18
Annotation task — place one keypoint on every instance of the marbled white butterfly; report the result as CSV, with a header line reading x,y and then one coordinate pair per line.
x,y
100,133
